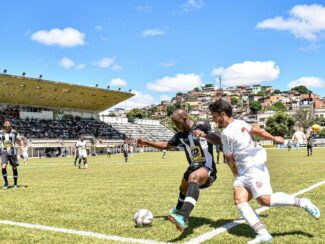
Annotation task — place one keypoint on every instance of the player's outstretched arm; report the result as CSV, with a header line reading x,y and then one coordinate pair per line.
x,y
213,138
266,135
155,144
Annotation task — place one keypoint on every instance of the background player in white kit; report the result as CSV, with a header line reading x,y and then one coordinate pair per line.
x,y
247,162
82,152
25,155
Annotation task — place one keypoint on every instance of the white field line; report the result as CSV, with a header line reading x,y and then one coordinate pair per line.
x,y
80,233
208,235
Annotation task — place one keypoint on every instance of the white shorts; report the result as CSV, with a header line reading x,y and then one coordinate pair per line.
x,y
25,155
82,154
257,180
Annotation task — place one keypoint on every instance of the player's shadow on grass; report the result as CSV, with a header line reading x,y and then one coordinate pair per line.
x,y
20,186
297,232
196,222
243,230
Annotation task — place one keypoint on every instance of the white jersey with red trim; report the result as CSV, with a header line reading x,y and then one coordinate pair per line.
x,y
81,147
237,141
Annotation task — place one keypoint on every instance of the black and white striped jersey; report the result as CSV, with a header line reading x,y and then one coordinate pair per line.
x,y
8,141
198,150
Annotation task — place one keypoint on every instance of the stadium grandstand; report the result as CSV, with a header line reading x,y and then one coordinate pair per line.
x,y
51,116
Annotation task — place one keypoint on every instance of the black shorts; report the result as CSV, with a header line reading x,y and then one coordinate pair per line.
x,y
212,175
12,159
125,154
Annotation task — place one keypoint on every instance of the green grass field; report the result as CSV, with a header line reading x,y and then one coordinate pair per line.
x,y
104,198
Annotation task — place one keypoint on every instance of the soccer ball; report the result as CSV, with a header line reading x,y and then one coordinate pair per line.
x,y
316,128
143,217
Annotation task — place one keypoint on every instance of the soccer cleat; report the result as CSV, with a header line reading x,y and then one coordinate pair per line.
x,y
5,186
261,238
310,208
174,211
86,166
179,221
16,186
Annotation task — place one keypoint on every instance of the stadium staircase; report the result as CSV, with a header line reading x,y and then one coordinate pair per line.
x,y
149,132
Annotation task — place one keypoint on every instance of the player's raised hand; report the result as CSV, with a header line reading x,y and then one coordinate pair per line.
x,y
279,140
198,133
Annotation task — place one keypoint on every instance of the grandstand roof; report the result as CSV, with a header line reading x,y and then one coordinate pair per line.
x,y
19,90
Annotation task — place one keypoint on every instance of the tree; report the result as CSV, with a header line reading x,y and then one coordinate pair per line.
x,y
255,106
280,124
196,89
136,113
234,101
322,133
276,91
179,94
170,110
304,117
301,89
261,94
280,106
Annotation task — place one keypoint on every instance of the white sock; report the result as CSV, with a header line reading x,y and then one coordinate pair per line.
x,y
251,218
279,199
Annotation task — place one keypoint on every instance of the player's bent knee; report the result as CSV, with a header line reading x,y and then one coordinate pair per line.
x,y
194,177
264,200
239,201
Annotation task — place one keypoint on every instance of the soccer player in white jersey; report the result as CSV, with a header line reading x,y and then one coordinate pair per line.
x,y
82,152
247,162
25,155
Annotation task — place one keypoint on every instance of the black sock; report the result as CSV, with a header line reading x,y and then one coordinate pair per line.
x,y
4,175
192,196
180,201
15,174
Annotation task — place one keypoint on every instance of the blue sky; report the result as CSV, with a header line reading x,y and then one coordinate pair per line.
x,y
157,48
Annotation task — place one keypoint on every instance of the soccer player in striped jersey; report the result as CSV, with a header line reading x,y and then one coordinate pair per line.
x,y
247,161
8,139
202,171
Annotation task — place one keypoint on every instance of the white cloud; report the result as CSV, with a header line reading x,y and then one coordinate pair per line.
x,y
191,5
144,8
308,82
248,73
118,82
165,98
67,63
80,66
105,63
68,37
99,28
167,64
180,82
304,21
153,32
139,100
